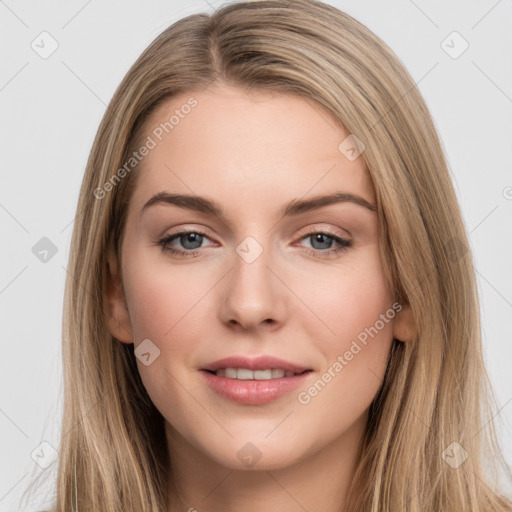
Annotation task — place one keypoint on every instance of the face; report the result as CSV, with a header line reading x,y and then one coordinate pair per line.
x,y
247,281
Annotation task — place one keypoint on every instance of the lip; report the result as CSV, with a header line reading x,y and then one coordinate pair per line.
x,y
254,392
255,363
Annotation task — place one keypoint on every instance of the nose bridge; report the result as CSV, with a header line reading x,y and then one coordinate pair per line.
x,y
253,291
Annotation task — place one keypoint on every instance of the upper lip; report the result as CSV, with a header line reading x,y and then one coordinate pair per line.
x,y
255,363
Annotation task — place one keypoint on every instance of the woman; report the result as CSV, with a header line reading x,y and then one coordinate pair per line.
x,y
259,368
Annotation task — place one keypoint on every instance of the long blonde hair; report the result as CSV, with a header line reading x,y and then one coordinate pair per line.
x,y
436,391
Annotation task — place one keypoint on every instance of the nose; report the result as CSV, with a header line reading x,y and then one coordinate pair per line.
x,y
253,295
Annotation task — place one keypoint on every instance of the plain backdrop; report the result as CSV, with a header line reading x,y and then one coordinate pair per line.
x,y
51,108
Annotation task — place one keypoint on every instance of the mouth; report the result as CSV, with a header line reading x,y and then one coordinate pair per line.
x,y
256,381
247,368
247,374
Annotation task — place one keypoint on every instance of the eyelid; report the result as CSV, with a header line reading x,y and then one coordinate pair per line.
x,y
310,229
343,243
182,227
314,228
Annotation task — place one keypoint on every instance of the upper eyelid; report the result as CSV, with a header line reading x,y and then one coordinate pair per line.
x,y
308,232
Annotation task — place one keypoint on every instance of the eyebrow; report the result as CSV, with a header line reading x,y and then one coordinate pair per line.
x,y
294,207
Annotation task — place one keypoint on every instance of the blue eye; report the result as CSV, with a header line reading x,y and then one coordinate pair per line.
x,y
192,241
187,239
320,236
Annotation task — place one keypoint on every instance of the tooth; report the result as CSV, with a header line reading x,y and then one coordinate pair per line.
x,y
244,374
231,373
262,374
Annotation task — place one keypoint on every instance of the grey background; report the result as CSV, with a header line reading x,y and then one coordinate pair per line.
x,y
51,108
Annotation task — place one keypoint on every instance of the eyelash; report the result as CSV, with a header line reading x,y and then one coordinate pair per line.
x,y
343,244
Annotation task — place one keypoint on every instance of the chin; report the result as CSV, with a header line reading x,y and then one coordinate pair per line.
x,y
266,455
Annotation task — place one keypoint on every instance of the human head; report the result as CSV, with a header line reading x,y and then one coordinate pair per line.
x,y
320,54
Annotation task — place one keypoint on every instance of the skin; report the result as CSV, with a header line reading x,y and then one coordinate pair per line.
x,y
253,152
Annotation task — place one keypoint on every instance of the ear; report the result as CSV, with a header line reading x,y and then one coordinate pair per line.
x,y
404,326
118,318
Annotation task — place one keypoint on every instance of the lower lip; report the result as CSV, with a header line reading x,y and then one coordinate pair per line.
x,y
253,392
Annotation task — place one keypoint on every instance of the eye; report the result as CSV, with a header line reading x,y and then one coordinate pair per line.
x,y
191,241
321,240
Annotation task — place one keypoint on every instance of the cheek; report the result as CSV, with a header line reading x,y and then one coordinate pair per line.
x,y
162,298
167,306
345,299
352,327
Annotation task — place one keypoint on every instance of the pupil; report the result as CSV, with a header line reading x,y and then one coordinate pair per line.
x,y
321,238
191,238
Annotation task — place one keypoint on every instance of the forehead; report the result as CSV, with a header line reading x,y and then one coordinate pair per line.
x,y
250,149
